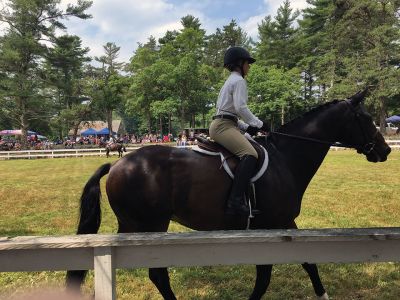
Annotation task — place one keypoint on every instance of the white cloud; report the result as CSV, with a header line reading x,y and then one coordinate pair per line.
x,y
129,22
251,26
271,7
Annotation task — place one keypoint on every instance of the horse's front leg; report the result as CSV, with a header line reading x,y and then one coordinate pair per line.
x,y
312,271
262,281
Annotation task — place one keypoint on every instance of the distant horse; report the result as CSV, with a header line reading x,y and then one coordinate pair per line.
x,y
6,146
115,147
148,188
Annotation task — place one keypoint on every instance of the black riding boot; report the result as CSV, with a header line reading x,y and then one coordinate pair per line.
x,y
244,171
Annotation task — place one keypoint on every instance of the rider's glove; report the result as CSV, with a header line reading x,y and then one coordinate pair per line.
x,y
252,130
265,127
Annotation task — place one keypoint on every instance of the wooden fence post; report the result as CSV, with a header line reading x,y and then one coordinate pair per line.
x,y
104,273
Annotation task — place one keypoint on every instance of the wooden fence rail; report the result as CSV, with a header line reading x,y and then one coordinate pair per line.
x,y
105,253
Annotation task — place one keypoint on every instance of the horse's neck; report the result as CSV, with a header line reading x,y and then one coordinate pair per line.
x,y
303,158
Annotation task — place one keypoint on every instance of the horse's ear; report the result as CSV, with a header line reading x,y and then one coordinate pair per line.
x,y
359,97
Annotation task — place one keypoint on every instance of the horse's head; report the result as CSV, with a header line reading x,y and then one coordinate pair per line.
x,y
360,131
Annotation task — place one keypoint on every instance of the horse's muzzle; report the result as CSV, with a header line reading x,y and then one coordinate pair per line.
x,y
379,154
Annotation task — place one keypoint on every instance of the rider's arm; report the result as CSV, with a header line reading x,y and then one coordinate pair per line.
x,y
242,125
240,97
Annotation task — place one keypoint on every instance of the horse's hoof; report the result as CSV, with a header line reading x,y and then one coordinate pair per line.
x,y
323,297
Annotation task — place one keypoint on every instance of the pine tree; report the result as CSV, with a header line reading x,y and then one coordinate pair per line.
x,y
22,52
111,84
367,38
315,42
65,73
277,44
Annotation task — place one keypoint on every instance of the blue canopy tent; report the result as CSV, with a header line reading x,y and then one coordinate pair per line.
x,y
42,137
393,119
89,131
104,131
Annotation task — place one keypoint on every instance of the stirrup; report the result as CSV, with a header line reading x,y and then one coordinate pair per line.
x,y
239,210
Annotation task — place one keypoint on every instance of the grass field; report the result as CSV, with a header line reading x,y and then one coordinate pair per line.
x,y
40,197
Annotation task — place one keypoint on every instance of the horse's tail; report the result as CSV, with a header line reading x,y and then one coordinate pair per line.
x,y
124,148
90,211
89,220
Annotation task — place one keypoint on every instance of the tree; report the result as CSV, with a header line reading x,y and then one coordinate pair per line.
x,y
145,56
166,107
151,84
190,82
217,43
315,43
6,108
22,51
274,93
277,44
110,86
64,71
373,55
190,21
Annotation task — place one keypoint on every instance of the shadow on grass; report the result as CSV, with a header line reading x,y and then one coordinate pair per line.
x,y
210,283
16,232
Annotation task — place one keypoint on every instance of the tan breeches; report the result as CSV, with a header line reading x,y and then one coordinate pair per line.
x,y
226,133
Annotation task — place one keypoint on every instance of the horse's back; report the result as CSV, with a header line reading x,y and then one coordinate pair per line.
x,y
169,183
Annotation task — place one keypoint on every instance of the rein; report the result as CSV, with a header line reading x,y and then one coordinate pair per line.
x,y
303,138
367,148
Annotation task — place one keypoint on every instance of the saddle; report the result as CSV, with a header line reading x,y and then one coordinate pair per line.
x,y
229,160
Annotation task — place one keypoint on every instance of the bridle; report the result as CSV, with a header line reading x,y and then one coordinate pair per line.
x,y
365,148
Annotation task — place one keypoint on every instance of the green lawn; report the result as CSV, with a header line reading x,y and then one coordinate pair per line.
x,y
40,197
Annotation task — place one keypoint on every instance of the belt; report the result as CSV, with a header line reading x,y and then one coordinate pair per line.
x,y
228,117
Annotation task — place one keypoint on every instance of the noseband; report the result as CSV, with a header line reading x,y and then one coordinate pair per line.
x,y
365,149
369,145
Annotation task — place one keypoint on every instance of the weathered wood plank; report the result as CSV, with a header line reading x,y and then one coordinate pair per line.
x,y
204,254
104,273
46,259
246,237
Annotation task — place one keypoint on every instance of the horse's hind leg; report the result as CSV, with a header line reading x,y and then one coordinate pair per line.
x,y
262,281
74,280
160,278
312,271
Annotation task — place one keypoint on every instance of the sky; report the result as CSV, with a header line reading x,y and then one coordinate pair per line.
x,y
129,22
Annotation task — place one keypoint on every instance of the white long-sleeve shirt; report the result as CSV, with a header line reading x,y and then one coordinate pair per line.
x,y
232,100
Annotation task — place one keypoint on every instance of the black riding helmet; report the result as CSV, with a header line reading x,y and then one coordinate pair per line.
x,y
235,57
235,54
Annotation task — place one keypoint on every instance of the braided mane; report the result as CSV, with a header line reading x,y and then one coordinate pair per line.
x,y
314,110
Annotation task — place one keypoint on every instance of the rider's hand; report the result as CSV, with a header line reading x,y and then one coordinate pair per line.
x,y
252,130
265,127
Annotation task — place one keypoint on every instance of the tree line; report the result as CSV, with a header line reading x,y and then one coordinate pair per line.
x,y
329,50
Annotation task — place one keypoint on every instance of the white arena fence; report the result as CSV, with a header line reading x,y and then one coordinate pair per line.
x,y
31,154
106,253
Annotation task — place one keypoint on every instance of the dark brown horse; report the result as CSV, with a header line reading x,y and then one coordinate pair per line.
x,y
156,184
115,147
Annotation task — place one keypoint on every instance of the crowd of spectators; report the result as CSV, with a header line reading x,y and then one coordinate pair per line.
x,y
98,141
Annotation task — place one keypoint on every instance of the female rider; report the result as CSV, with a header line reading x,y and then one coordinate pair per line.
x,y
225,127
